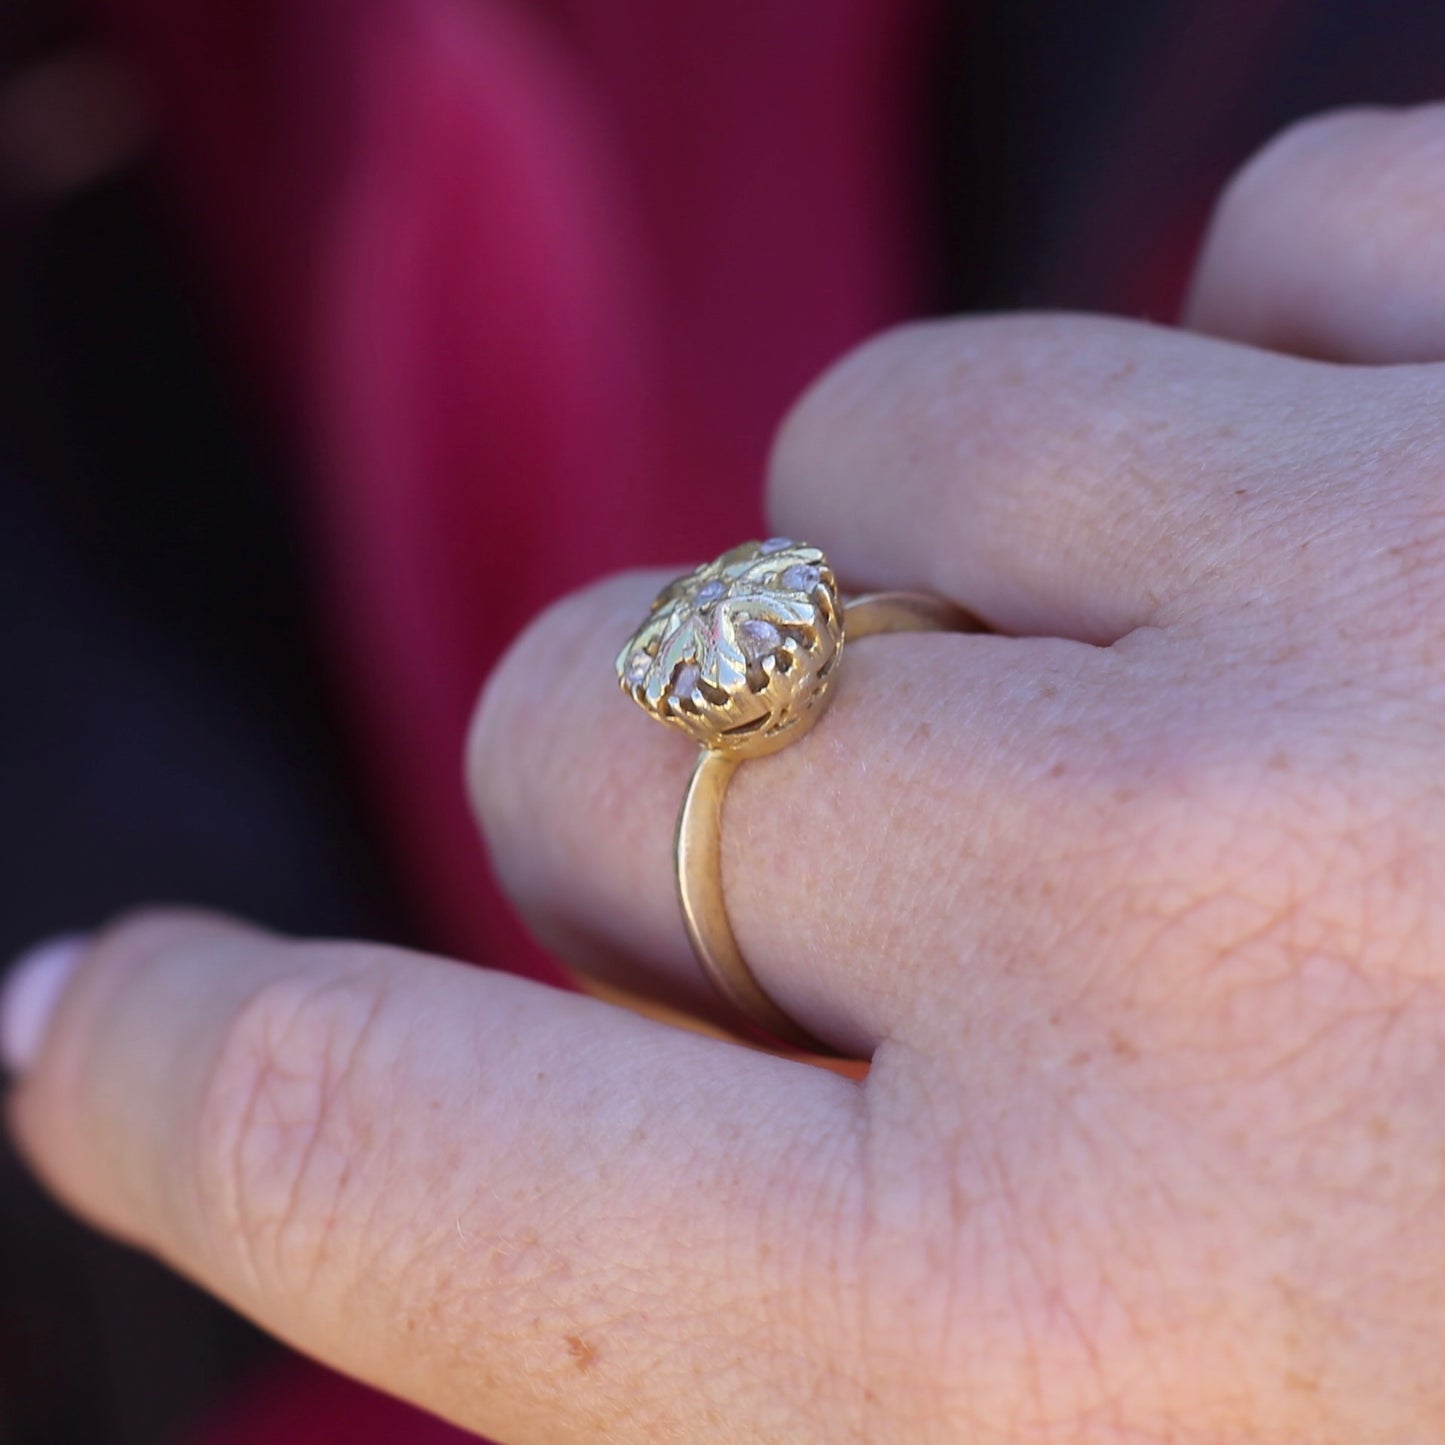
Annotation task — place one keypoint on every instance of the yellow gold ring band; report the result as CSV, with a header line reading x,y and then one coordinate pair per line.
x,y
741,654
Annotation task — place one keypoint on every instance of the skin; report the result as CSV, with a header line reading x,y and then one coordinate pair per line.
x,y
1134,907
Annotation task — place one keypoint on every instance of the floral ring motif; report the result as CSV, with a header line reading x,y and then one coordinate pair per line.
x,y
740,653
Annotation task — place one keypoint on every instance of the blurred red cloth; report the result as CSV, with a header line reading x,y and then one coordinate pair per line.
x,y
530,286
298,1404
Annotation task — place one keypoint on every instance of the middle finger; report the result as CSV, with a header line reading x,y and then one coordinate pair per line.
x,y
1079,477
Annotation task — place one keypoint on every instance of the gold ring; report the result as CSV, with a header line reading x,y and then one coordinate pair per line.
x,y
742,655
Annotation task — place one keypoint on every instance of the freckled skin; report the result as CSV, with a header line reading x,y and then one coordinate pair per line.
x,y
582,1352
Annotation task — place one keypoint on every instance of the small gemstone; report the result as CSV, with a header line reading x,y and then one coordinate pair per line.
x,y
686,681
637,666
711,592
775,544
800,577
758,638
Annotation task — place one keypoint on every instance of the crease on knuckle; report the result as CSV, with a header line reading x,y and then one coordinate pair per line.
x,y
282,1123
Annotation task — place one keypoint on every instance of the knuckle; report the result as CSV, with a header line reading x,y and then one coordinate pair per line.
x,y
1347,170
850,388
1327,133
908,382
510,727
1301,148
496,712
523,738
514,712
287,1109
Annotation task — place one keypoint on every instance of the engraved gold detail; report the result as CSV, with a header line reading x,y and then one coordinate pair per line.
x,y
741,653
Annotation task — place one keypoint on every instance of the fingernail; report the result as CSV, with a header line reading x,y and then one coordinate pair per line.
x,y
32,987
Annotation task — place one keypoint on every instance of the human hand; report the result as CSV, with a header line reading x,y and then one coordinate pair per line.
x,y
1134,908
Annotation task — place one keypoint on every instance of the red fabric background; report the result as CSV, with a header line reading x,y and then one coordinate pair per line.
x,y
531,287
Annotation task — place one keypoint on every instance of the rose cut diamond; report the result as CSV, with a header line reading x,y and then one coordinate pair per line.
x,y
758,638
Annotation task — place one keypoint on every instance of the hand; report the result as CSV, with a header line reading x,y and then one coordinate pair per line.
x,y
1136,909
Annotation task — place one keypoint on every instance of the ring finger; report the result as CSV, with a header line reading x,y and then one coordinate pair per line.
x,y
932,794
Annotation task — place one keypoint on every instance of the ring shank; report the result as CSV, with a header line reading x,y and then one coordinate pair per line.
x,y
698,842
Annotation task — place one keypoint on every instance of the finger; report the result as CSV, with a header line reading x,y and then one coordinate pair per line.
x,y
537,1215
1065,475
1331,242
830,846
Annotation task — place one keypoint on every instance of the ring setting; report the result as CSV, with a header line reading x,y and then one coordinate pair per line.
x,y
742,655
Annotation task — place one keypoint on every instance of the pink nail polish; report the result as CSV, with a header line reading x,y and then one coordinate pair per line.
x,y
31,989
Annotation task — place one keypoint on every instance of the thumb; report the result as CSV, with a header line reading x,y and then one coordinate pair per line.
x,y
536,1215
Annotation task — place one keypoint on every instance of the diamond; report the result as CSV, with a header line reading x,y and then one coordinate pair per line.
x,y
710,593
637,666
686,681
774,544
758,638
800,577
